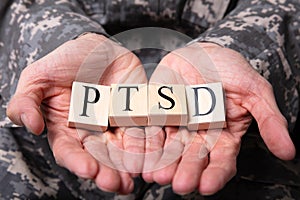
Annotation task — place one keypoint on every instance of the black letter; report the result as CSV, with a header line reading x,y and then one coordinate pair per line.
x,y
128,96
213,99
166,97
86,101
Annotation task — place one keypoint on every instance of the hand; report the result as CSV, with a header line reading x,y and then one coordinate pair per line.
x,y
207,159
44,90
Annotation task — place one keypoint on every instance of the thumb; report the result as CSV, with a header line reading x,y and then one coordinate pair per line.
x,y
24,107
272,125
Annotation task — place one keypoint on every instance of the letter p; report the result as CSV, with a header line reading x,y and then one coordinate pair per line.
x,y
86,100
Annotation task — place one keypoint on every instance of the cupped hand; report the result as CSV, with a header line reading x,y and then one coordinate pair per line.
x,y
43,94
206,160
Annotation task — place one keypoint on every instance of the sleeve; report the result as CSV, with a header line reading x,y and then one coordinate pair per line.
x,y
267,34
29,30
3,5
205,13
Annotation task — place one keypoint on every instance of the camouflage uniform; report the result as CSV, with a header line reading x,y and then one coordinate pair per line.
x,y
266,32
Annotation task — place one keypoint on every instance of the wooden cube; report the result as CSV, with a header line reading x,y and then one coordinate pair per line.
x,y
205,106
128,105
167,105
89,106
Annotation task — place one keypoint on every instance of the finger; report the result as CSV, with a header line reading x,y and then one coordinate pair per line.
x,y
155,138
167,165
115,149
133,156
127,184
222,164
24,110
96,145
69,153
271,123
107,179
191,165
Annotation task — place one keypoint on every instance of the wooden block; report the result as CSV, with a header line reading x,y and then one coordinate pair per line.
x,y
205,106
89,106
167,105
128,105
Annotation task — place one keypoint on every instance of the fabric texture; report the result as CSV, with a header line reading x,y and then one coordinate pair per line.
x,y
266,33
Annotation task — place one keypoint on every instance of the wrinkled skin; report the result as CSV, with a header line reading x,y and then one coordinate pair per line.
x,y
46,84
114,157
247,94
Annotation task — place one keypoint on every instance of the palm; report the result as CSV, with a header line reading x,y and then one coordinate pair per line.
x,y
246,94
48,81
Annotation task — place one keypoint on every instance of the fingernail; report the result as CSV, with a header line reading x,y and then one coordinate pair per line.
x,y
24,120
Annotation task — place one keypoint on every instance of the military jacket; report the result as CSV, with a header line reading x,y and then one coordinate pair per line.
x,y
266,33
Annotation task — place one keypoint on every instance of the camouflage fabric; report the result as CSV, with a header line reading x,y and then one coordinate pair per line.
x,y
265,32
30,30
28,171
275,54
